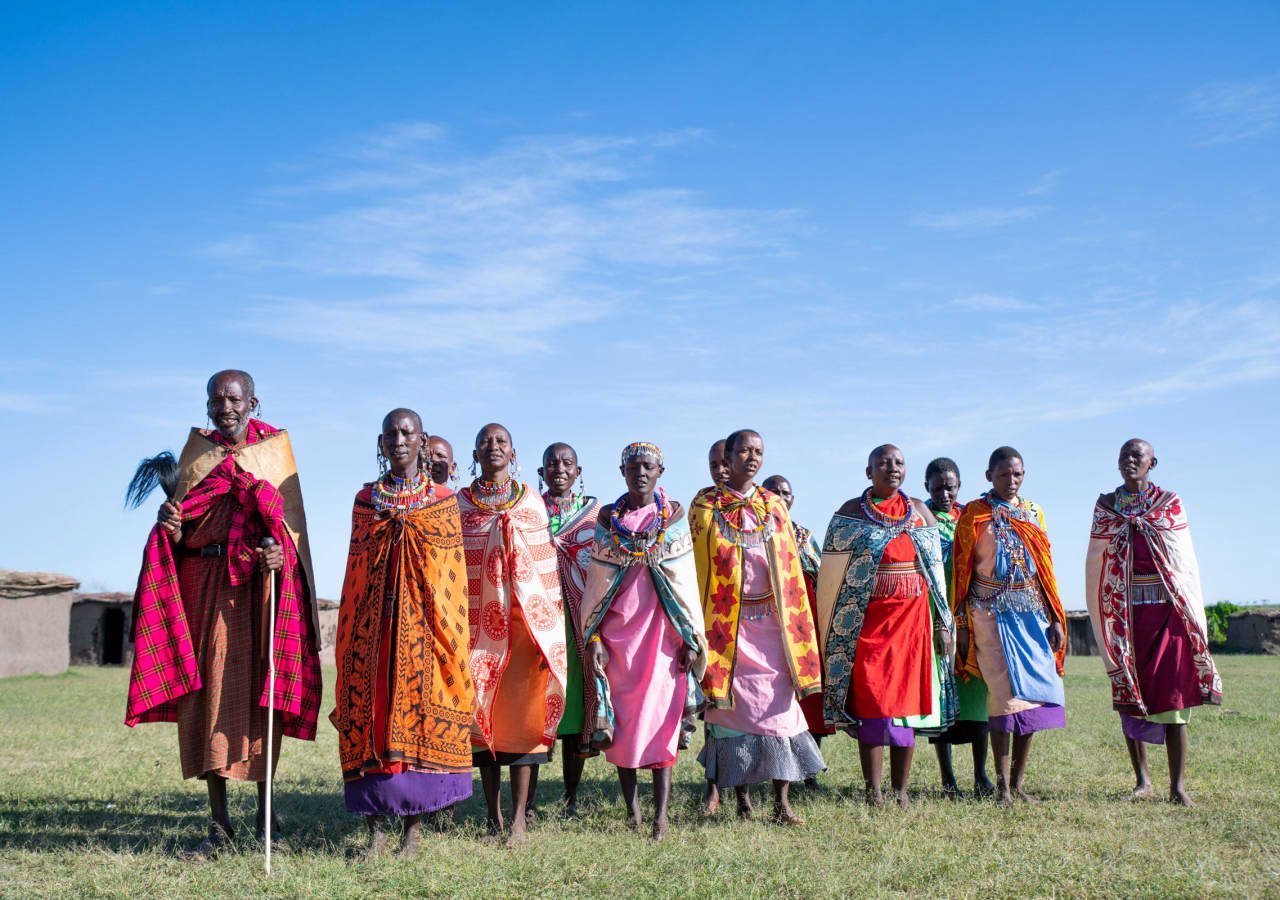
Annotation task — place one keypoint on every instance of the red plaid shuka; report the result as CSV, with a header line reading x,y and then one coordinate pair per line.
x,y
164,661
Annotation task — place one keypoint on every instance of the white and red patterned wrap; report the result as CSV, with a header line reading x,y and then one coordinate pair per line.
x,y
1107,574
510,559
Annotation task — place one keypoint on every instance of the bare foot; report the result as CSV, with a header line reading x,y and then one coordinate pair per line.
x,y
903,798
873,796
785,815
811,783
710,799
659,829
570,807
745,809
409,843
1003,797
1181,797
1022,795
983,788
218,839
376,847
518,835
634,818
1142,792
492,831
951,790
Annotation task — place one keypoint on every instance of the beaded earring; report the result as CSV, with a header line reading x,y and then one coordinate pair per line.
x,y
384,465
453,478
474,473
582,485
542,488
515,469
424,460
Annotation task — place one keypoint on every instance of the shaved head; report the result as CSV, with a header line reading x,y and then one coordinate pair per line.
x,y
245,379
390,417
881,451
1137,443
490,427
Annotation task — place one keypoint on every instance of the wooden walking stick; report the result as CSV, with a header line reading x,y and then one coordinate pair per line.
x,y
267,544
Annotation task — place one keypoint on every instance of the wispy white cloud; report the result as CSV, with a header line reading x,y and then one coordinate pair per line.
x,y
976,218
403,234
1046,184
1232,111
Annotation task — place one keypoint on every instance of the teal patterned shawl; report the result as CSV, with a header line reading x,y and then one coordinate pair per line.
x,y
850,559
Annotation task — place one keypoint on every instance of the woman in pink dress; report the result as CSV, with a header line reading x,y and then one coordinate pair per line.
x,y
641,618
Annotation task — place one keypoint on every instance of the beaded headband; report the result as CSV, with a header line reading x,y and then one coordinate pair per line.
x,y
641,448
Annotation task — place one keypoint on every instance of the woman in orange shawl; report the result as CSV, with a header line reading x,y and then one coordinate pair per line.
x,y
1004,595
404,694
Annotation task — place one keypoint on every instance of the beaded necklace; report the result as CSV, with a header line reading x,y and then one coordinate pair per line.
x,y
894,526
638,544
558,513
1130,504
1011,553
390,492
496,495
735,532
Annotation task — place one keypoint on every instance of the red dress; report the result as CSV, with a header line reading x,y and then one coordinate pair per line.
x,y
892,675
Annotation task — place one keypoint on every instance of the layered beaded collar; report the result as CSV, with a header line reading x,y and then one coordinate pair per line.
x,y
1130,505
895,525
637,544
496,495
390,492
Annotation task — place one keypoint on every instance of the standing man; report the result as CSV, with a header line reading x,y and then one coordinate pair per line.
x,y
200,616
1142,585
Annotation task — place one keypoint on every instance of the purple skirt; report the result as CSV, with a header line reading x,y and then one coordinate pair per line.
x,y
1029,721
883,733
406,794
1138,729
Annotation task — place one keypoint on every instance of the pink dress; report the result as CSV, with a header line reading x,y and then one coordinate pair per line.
x,y
645,681
764,696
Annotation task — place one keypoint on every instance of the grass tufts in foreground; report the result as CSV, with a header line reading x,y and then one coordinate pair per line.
x,y
88,806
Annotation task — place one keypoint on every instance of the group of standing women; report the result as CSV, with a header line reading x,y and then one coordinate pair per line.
x,y
478,628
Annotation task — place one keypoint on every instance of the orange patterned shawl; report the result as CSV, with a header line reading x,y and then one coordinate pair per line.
x,y
406,570
511,559
719,562
976,515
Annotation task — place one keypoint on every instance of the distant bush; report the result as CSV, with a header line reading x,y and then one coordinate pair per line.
x,y
1217,617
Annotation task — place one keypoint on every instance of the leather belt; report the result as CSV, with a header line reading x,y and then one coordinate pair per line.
x,y
206,550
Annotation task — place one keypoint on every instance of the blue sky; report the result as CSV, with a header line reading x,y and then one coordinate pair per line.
x,y
946,226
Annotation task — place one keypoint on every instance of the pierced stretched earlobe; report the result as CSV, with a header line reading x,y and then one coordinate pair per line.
x,y
542,488
473,469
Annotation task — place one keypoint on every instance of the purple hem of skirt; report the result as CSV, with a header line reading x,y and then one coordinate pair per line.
x,y
883,733
1137,729
1028,721
406,794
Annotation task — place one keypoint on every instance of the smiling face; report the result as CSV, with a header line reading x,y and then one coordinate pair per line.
x,y
886,468
560,469
1137,459
401,442
746,456
717,463
442,465
943,488
494,452
231,402
1006,478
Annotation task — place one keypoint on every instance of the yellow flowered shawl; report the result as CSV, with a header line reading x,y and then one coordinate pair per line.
x,y
717,552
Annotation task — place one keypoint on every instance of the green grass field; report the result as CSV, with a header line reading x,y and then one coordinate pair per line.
x,y
90,807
